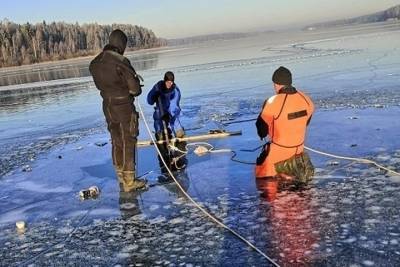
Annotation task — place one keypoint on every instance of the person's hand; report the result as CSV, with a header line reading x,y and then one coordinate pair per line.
x,y
139,79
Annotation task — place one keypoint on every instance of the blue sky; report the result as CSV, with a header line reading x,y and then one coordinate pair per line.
x,y
179,18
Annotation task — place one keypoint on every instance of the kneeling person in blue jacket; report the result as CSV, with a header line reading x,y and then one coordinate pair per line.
x,y
166,95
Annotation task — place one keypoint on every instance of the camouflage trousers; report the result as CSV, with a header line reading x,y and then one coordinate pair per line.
x,y
299,167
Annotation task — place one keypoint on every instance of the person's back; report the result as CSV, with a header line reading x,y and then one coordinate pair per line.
x,y
284,119
118,83
106,70
288,113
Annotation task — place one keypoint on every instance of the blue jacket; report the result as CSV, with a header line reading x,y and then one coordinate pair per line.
x,y
170,102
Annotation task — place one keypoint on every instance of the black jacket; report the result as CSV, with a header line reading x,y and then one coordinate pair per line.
x,y
114,75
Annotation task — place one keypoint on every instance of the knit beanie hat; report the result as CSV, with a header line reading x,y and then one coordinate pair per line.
x,y
169,76
282,76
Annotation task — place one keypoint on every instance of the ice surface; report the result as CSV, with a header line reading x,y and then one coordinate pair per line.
x,y
29,185
348,216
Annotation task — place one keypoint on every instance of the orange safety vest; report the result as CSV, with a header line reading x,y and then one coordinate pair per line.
x,y
286,116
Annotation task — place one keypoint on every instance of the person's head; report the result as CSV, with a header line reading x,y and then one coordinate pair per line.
x,y
169,79
118,39
281,78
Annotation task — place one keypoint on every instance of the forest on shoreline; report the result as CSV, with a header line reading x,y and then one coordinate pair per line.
x,y
22,44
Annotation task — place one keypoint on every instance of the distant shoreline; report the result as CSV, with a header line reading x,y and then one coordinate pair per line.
x,y
336,31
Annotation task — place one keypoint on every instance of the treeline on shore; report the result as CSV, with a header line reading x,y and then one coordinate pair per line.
x,y
27,43
389,14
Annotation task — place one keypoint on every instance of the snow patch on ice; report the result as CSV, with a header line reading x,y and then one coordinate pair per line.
x,y
368,263
158,219
395,179
350,240
123,255
177,221
154,207
374,208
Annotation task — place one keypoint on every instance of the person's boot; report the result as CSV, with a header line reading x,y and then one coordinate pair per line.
x,y
165,178
118,171
130,182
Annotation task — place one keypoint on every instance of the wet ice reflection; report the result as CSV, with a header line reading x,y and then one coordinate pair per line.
x,y
335,221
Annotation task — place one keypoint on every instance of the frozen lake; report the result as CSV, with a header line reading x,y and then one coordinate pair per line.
x,y
348,217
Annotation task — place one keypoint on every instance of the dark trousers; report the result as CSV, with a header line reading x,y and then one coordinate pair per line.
x,y
122,123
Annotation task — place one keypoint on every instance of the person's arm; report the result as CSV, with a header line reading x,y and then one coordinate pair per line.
x,y
174,108
152,96
310,109
128,73
261,125
266,118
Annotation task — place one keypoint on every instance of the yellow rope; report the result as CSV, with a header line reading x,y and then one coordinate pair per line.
x,y
198,205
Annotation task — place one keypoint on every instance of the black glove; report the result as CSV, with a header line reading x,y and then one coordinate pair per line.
x,y
166,117
262,128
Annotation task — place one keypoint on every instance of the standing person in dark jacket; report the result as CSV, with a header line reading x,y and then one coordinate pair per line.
x,y
118,83
166,96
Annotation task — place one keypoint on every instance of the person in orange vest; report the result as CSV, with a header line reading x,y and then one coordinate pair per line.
x,y
284,119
